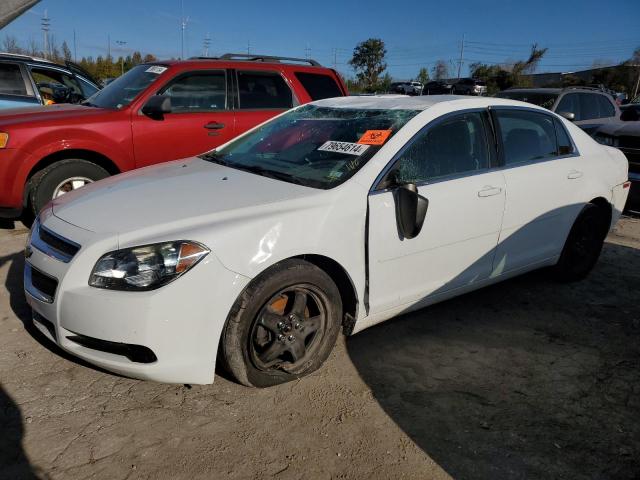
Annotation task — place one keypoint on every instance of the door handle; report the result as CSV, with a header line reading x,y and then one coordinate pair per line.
x,y
489,191
573,174
214,126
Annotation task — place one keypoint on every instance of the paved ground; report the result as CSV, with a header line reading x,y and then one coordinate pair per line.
x,y
528,379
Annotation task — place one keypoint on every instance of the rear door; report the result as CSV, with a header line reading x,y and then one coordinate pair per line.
x,y
200,119
260,95
544,176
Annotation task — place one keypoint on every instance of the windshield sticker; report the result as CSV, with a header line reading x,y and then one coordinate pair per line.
x,y
343,147
156,69
374,137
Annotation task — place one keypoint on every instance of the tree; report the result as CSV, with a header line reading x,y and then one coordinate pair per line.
x,y
385,83
66,52
440,70
10,44
148,58
423,76
368,62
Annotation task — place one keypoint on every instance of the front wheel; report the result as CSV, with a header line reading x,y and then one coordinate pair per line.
x,y
60,178
283,326
584,244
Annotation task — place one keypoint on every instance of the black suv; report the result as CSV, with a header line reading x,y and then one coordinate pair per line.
x,y
589,108
27,81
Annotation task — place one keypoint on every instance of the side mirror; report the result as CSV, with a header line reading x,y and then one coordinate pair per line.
x,y
411,209
568,115
630,114
157,106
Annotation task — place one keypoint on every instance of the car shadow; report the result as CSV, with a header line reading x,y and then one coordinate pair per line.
x,y
14,463
527,379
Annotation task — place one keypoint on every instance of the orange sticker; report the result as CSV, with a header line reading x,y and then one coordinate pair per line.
x,y
374,137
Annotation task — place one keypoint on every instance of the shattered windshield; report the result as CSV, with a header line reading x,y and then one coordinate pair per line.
x,y
319,147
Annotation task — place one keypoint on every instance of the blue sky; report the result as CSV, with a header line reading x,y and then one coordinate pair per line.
x,y
577,32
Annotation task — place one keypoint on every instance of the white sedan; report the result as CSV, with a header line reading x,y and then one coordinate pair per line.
x,y
338,214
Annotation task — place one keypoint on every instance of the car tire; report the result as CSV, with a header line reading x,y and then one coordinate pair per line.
x,y
584,244
44,184
256,346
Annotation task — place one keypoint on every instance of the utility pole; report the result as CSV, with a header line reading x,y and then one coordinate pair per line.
x,y
75,47
46,24
461,56
122,43
108,46
207,43
248,47
307,52
183,26
335,58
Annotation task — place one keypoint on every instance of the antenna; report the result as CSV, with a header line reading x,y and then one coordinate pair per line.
x,y
46,24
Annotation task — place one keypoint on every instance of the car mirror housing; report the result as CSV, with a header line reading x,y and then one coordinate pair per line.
x,y
157,106
411,209
568,115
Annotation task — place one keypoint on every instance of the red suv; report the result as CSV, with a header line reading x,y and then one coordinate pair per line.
x,y
154,113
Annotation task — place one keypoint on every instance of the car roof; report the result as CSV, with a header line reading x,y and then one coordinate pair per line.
x,y
26,58
405,102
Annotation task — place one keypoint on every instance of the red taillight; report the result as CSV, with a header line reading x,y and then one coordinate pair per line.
x,y
626,184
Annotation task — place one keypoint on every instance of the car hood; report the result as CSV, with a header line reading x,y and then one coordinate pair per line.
x,y
179,194
51,114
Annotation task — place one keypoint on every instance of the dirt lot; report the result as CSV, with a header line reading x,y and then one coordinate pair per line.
x,y
527,379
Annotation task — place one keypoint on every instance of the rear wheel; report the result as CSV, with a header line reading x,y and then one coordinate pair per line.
x,y
60,178
283,326
584,244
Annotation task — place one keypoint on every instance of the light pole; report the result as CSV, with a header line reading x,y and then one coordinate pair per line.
x,y
122,43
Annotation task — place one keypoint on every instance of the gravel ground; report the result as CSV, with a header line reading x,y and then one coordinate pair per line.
x,y
526,379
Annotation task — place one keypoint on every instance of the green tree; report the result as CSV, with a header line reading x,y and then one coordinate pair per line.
x,y
368,62
423,76
148,58
385,83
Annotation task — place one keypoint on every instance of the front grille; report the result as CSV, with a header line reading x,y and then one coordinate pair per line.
x,y
44,283
135,353
59,243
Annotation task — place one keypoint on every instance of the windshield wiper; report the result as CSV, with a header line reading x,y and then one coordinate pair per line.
x,y
265,172
213,157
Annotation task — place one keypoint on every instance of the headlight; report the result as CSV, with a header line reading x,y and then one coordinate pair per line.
x,y
146,267
4,139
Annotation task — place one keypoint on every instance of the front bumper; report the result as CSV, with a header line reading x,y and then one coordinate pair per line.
x,y
169,335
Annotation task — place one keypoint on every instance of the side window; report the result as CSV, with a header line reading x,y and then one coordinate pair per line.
x,y
197,92
319,86
606,108
263,90
11,81
87,88
570,104
526,135
589,107
565,146
56,87
457,145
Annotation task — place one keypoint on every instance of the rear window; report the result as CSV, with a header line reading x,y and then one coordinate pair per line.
x,y
11,82
544,100
319,86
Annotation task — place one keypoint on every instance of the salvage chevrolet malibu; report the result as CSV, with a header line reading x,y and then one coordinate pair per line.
x,y
334,215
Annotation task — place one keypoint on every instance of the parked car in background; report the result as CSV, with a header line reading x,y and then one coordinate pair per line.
x,y
28,81
406,88
626,137
437,87
154,113
589,108
469,86
336,215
